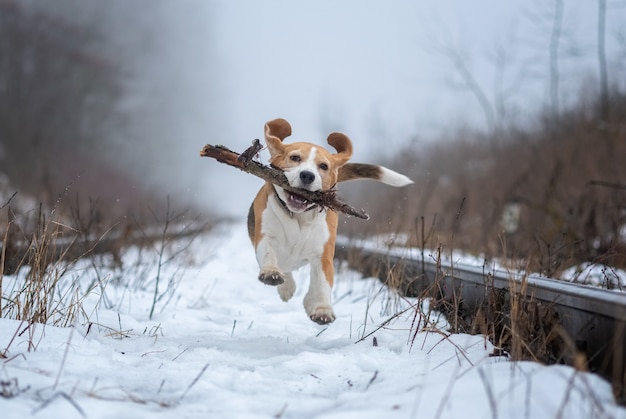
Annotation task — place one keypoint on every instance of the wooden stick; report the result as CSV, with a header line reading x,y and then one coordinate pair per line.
x,y
245,162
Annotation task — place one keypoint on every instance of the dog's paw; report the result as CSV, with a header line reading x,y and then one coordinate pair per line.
x,y
322,315
271,277
287,289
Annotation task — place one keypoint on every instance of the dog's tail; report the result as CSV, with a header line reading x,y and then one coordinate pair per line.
x,y
354,171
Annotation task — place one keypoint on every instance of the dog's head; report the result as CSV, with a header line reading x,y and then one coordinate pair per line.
x,y
306,165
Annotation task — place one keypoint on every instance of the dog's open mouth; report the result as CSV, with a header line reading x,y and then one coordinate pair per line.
x,y
297,203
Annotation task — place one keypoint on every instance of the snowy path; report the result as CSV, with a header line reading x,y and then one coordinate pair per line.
x,y
227,347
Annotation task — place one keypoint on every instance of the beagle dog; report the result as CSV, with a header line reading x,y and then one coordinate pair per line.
x,y
288,231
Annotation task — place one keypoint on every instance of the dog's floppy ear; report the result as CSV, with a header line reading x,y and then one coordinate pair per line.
x,y
343,145
276,131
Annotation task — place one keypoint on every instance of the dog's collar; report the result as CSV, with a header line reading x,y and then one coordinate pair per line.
x,y
286,208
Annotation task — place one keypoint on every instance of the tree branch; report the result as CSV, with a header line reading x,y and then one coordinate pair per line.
x,y
245,162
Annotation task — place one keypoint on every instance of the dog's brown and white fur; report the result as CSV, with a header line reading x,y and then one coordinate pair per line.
x,y
287,231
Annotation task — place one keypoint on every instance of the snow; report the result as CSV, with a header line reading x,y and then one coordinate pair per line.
x,y
596,274
222,344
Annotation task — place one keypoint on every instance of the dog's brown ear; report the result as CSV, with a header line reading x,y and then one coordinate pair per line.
x,y
343,145
276,131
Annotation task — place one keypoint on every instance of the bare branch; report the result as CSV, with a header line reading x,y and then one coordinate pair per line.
x,y
554,56
244,162
604,83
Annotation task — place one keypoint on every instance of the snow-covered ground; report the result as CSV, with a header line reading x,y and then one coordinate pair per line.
x,y
222,344
596,274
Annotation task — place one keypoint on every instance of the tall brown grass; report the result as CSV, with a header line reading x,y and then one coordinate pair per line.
x,y
51,261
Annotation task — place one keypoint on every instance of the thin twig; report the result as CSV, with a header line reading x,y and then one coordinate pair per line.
x,y
385,323
490,395
606,184
9,201
67,349
371,380
281,412
446,394
161,252
66,397
178,356
193,383
17,332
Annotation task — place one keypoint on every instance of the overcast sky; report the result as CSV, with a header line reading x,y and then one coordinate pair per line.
x,y
372,67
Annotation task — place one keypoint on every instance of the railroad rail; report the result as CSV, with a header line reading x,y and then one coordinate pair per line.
x,y
529,316
72,246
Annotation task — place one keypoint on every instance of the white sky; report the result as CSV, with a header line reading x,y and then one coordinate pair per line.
x,y
368,66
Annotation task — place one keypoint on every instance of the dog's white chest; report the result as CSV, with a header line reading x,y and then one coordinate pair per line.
x,y
297,238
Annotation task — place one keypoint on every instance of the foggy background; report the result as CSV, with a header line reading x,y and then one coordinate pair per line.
x,y
140,86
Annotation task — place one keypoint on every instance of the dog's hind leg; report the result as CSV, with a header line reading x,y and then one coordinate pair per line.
x,y
317,299
287,288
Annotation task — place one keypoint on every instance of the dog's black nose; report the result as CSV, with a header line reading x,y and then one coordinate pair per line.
x,y
307,177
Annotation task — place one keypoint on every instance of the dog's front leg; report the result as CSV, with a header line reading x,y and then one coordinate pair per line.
x,y
317,299
288,288
266,257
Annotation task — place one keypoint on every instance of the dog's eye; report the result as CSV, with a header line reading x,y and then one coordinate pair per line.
x,y
295,158
323,166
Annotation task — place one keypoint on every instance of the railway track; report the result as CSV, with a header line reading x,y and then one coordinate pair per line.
x,y
528,316
29,250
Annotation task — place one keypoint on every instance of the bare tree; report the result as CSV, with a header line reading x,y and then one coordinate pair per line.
x,y
554,56
604,79
57,100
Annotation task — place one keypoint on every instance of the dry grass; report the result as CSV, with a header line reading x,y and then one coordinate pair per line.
x,y
41,292
52,263
518,325
512,319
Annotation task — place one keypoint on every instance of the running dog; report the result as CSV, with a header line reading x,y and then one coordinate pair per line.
x,y
288,231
